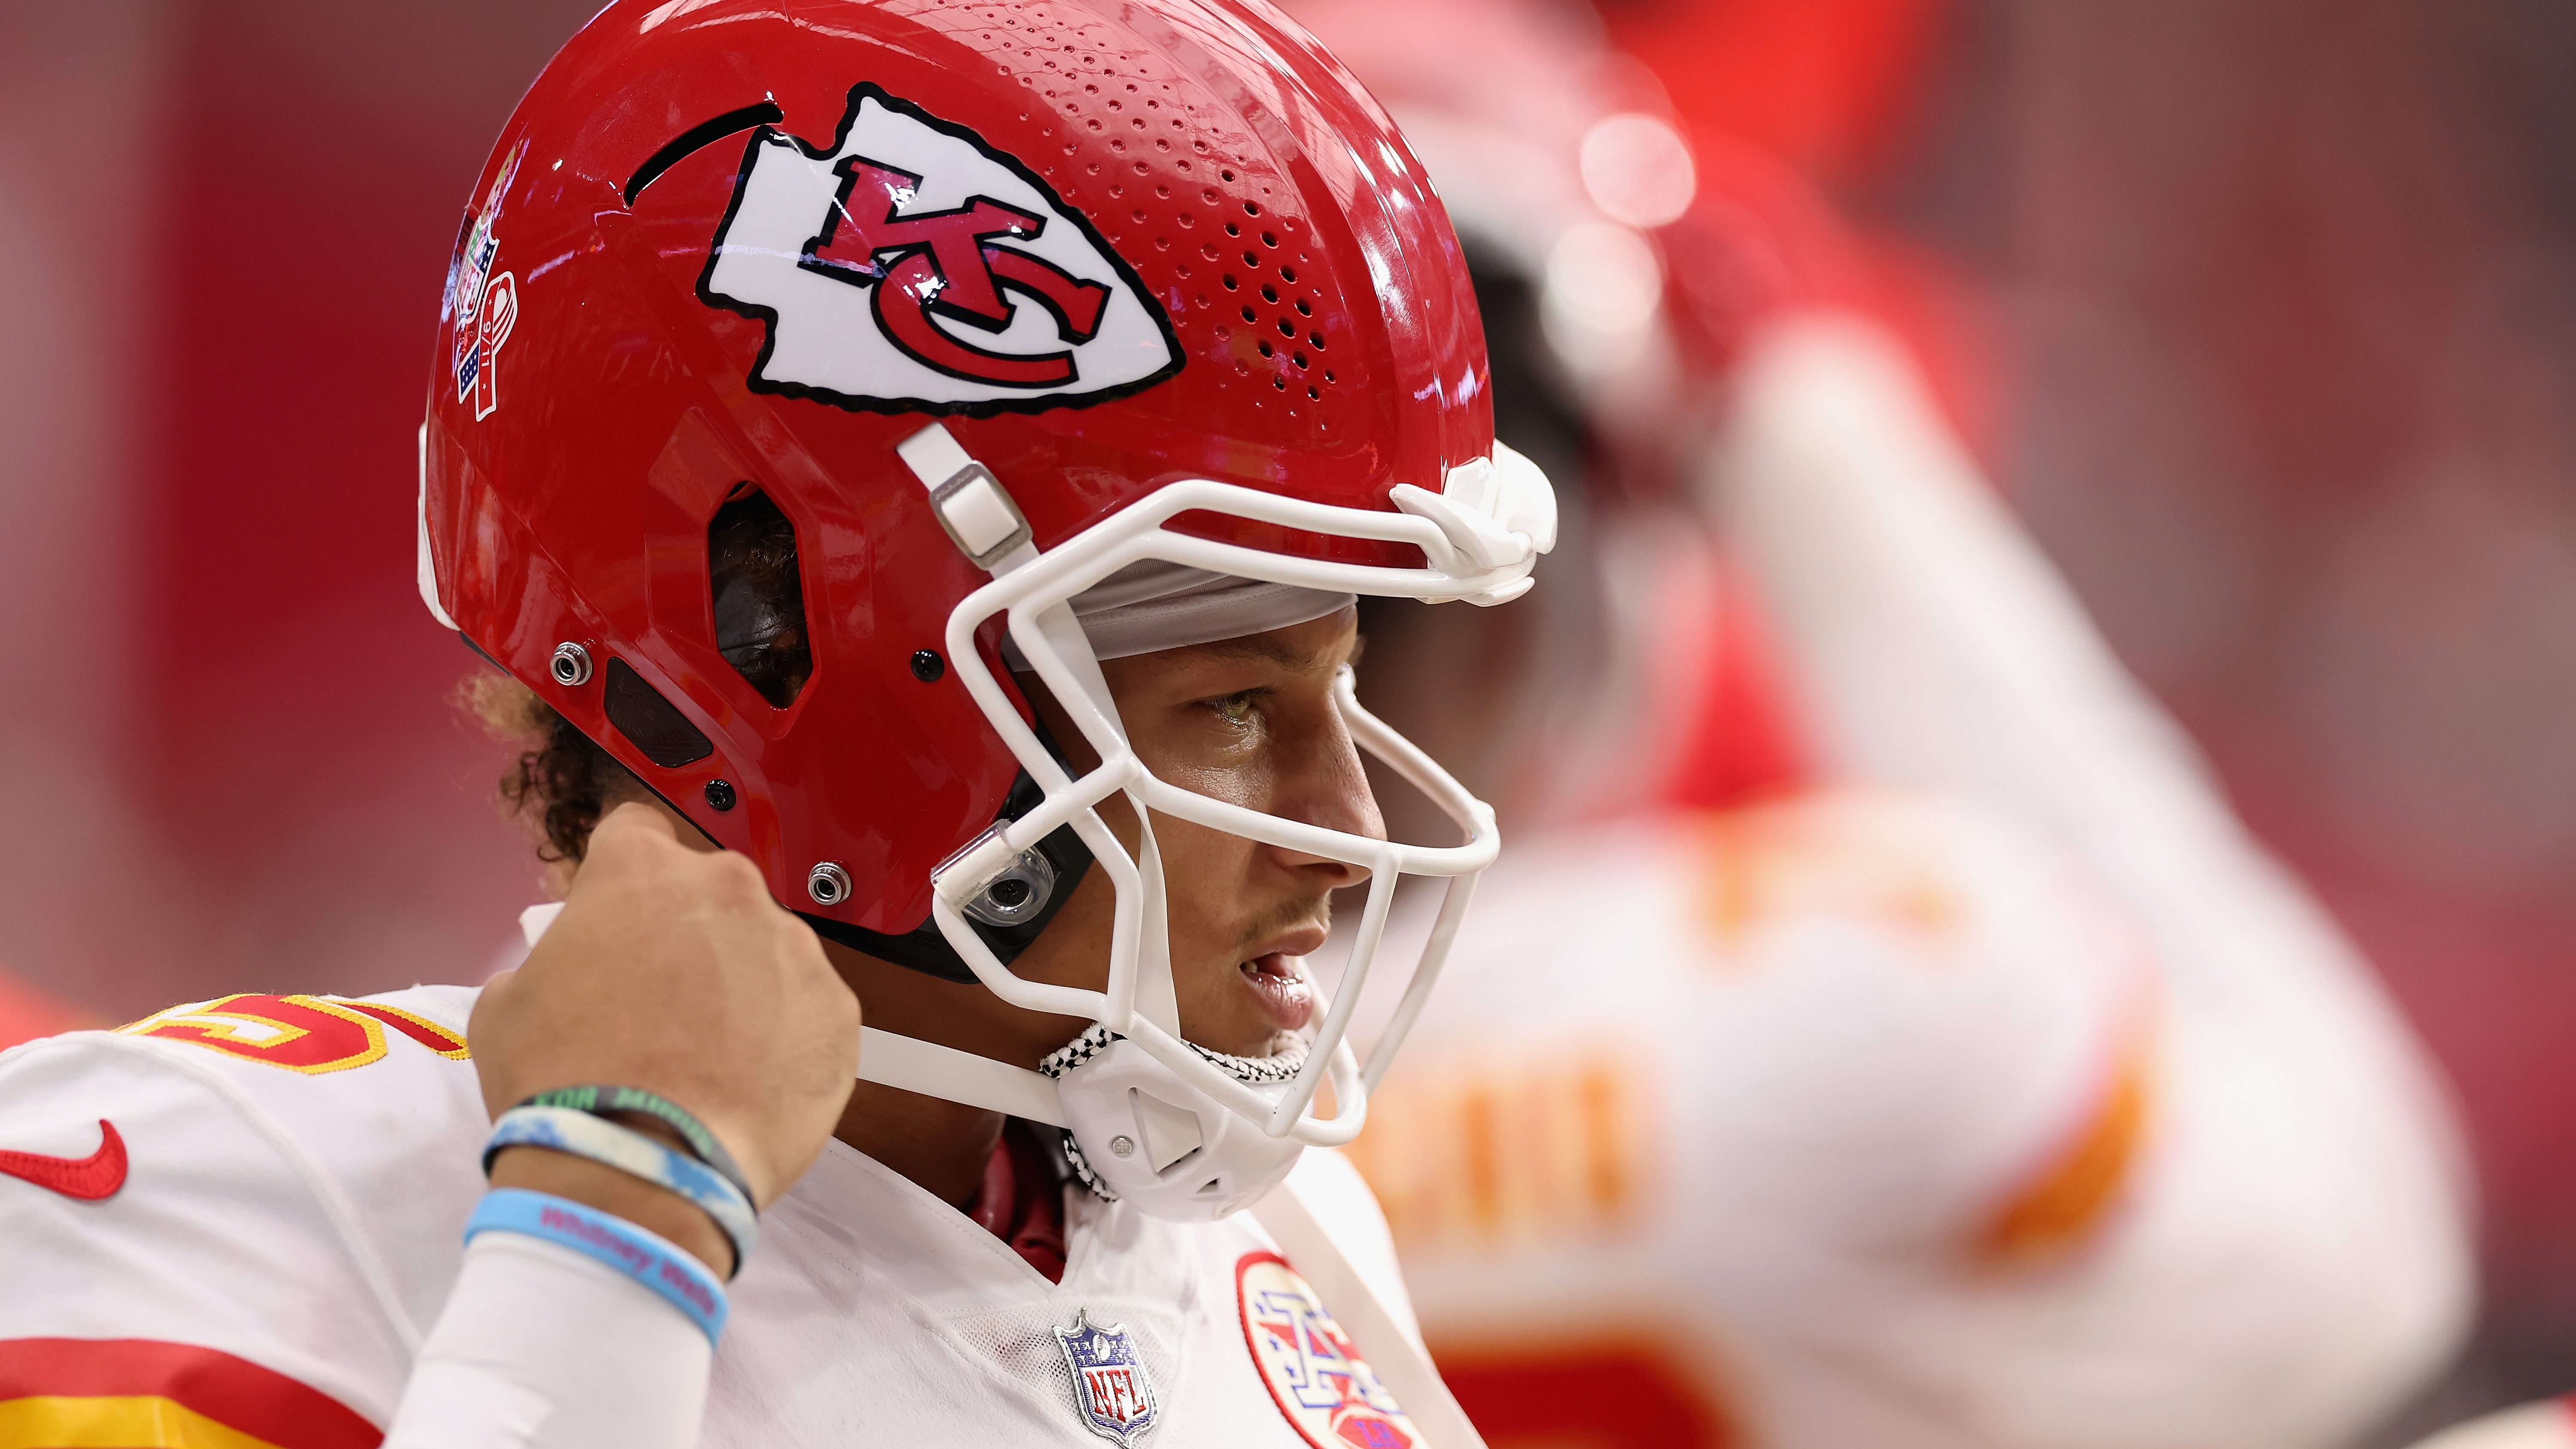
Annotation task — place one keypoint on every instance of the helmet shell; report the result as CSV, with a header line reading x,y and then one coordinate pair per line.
x,y
605,380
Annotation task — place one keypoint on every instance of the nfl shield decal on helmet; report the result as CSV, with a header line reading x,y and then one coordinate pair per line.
x,y
910,267
484,305
1319,1380
1111,1389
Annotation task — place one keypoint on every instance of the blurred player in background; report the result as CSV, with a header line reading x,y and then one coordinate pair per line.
x,y
1947,1067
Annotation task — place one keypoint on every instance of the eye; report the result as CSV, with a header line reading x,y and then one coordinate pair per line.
x,y
1236,709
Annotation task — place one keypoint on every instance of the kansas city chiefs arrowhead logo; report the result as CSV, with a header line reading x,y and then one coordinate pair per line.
x,y
909,267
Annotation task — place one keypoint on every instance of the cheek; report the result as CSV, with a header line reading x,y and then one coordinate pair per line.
x,y
1074,948
1244,782
1203,871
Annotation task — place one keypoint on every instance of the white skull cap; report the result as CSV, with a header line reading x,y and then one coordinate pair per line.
x,y
1153,604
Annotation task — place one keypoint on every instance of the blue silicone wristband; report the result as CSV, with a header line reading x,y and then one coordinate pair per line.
x,y
645,1256
565,1129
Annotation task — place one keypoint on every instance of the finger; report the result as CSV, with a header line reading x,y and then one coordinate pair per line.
x,y
623,840
633,821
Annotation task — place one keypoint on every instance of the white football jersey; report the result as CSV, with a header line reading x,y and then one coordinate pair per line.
x,y
240,1218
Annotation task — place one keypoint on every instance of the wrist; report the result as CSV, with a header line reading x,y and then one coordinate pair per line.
x,y
620,1194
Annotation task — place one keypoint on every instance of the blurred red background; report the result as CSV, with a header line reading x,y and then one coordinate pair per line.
x,y
2263,312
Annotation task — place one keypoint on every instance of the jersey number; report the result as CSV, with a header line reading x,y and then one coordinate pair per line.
x,y
299,1033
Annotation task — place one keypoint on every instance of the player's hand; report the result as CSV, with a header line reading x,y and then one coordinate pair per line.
x,y
671,969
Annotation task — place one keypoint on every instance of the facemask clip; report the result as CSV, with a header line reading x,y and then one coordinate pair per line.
x,y
1008,888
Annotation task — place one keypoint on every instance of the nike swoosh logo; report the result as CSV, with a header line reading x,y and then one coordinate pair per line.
x,y
88,1178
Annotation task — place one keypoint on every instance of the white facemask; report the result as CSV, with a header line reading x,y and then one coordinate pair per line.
x,y
1176,1130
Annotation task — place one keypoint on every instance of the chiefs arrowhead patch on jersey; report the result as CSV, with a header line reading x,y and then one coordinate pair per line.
x,y
1317,1378
909,267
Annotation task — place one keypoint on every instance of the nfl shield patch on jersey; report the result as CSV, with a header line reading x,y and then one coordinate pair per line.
x,y
1319,1380
1111,1389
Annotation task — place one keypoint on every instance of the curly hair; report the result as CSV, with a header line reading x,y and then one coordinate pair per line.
x,y
561,782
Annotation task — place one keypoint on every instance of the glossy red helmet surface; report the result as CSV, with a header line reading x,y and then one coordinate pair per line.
x,y
727,245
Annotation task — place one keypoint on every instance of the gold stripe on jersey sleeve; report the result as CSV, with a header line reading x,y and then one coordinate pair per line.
x,y
132,1422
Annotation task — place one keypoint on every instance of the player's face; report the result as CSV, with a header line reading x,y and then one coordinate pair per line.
x,y
1253,722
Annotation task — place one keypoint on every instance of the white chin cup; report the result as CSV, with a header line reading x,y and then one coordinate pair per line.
x,y
1165,1146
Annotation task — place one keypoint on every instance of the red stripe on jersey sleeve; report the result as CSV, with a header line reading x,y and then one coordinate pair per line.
x,y
236,1393
419,1028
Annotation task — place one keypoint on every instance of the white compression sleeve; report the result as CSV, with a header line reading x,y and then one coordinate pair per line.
x,y
540,1347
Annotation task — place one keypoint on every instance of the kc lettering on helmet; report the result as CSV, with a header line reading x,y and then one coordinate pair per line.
x,y
909,267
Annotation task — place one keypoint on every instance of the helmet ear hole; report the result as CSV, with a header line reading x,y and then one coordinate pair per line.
x,y
759,596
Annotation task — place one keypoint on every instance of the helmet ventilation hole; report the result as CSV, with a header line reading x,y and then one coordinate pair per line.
x,y
759,596
1159,159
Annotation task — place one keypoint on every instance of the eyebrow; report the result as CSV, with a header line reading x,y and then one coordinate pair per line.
x,y
1267,648
1263,647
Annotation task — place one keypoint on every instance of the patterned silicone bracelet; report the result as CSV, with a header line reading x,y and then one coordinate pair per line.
x,y
702,1144
563,1129
644,1256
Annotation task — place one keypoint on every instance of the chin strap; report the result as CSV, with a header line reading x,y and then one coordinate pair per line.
x,y
1401,1362
920,1066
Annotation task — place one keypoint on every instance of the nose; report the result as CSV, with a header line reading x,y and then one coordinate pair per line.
x,y
1323,785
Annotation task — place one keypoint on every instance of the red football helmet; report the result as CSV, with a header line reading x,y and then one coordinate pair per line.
x,y
987,301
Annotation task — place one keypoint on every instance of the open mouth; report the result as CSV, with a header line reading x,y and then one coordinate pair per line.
x,y
1276,981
